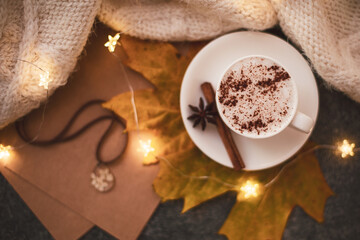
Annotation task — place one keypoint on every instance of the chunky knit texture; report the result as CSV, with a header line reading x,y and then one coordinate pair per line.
x,y
52,34
48,33
328,31
186,19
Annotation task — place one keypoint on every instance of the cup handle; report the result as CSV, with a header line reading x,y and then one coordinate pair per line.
x,y
302,122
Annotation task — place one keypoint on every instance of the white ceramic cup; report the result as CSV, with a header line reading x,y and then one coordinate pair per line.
x,y
298,120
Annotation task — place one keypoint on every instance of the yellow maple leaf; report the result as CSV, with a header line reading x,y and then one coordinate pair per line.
x,y
261,217
157,109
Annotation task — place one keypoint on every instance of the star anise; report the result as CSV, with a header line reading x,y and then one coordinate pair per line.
x,y
202,114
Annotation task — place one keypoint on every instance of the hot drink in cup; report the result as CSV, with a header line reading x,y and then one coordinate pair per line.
x,y
257,98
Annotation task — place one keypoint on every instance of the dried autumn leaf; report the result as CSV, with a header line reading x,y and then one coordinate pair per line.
x,y
157,109
301,183
264,217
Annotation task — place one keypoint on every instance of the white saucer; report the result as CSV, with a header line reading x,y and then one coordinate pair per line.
x,y
208,66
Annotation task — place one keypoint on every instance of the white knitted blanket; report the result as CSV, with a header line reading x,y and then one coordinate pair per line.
x,y
51,34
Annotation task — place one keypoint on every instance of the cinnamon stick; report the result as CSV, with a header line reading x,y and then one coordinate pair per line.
x,y
223,130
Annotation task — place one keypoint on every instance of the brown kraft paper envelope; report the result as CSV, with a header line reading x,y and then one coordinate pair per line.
x,y
63,170
61,222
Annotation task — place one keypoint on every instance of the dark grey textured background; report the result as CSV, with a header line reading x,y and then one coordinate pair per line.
x,y
339,117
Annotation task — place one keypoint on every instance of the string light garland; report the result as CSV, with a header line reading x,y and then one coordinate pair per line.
x,y
144,146
101,176
248,190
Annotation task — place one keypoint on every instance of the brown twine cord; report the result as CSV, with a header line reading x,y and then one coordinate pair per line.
x,y
63,137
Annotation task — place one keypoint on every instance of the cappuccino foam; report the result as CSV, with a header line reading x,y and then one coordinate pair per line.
x,y
257,97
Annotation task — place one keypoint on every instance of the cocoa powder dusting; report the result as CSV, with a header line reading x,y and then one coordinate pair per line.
x,y
236,85
258,125
231,102
271,84
253,87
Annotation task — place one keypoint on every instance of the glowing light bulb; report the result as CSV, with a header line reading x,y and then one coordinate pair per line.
x,y
113,41
250,189
4,151
346,149
145,147
44,80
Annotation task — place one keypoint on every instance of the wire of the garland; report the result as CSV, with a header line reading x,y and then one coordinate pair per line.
x,y
266,185
43,111
25,61
39,128
205,177
132,93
